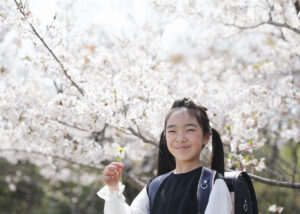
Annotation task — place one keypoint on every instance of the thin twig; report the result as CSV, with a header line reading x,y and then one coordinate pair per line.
x,y
22,11
70,125
58,89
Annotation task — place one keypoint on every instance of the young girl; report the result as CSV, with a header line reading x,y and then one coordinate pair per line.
x,y
186,132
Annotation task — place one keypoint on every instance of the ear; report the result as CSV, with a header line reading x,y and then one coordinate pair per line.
x,y
206,139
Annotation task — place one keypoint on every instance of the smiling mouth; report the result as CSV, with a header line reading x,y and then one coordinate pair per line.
x,y
183,148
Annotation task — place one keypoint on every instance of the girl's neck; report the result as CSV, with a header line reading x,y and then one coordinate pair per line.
x,y
183,167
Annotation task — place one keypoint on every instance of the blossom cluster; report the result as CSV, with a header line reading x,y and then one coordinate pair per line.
x,y
132,63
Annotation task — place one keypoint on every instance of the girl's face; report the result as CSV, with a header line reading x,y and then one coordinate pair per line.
x,y
184,136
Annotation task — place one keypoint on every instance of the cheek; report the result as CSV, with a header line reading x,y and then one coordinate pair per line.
x,y
196,138
169,140
169,137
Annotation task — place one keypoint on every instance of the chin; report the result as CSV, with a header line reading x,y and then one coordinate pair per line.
x,y
184,159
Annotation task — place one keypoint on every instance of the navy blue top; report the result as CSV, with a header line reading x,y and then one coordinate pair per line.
x,y
178,194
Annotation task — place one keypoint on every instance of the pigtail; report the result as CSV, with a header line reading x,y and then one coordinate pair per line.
x,y
165,160
217,156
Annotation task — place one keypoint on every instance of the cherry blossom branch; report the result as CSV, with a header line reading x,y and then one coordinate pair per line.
x,y
21,8
99,136
270,22
275,182
70,125
277,24
139,135
268,181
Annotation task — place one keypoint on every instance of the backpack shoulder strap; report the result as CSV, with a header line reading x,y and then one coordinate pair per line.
x,y
234,180
153,185
205,184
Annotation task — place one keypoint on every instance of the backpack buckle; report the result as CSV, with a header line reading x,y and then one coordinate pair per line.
x,y
204,185
245,206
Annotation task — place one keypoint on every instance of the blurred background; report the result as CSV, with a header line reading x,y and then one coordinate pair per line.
x,y
79,79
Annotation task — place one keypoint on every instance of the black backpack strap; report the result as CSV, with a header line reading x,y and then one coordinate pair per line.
x,y
234,180
205,184
252,191
153,186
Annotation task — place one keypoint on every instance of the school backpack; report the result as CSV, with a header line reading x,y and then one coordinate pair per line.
x,y
238,182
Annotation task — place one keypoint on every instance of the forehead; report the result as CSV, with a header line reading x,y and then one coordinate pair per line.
x,y
181,116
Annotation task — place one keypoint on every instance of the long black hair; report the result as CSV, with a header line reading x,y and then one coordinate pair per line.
x,y
166,161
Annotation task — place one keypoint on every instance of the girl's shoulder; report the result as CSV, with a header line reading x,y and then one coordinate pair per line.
x,y
156,181
220,188
219,176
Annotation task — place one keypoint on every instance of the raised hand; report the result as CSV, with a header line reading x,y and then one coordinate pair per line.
x,y
111,175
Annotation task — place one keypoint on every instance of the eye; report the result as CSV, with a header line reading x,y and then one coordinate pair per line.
x,y
190,130
171,131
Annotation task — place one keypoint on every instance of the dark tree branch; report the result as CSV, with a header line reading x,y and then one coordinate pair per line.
x,y
139,135
275,182
271,182
21,8
270,22
284,25
100,135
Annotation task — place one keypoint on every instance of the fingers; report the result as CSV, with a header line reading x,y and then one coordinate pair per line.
x,y
117,164
112,173
112,170
114,166
108,178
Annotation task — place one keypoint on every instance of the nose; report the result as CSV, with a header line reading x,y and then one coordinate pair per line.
x,y
181,137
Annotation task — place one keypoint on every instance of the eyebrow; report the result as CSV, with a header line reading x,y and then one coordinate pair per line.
x,y
188,124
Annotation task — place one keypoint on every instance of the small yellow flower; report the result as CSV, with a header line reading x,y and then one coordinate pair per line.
x,y
120,149
119,158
